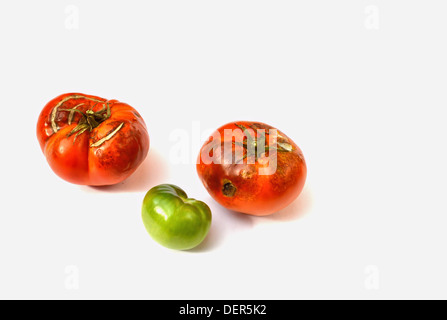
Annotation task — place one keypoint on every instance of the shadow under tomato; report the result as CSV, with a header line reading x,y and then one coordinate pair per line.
x,y
296,209
151,172
224,223
227,221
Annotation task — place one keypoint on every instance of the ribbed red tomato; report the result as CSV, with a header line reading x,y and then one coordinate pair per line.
x,y
93,141
252,167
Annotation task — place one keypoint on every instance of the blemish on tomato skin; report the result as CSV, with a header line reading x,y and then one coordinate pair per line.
x,y
228,188
99,153
247,173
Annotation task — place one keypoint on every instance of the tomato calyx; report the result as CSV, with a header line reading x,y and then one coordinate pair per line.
x,y
256,146
89,120
54,125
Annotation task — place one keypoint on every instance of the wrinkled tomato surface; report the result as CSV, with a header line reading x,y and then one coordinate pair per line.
x,y
251,167
90,140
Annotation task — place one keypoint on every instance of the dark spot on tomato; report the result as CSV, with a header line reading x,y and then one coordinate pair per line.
x,y
228,189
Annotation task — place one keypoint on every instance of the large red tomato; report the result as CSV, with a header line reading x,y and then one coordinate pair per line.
x,y
252,168
90,140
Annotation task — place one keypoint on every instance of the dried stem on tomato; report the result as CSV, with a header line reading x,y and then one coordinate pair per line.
x,y
249,141
89,119
56,107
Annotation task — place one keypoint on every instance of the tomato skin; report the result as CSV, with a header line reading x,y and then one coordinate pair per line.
x,y
174,220
240,186
89,158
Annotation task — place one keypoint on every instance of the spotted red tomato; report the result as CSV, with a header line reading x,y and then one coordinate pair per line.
x,y
252,167
90,140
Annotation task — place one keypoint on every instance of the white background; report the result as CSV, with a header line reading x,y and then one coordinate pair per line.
x,y
360,86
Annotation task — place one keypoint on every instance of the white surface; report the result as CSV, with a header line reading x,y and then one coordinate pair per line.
x,y
367,106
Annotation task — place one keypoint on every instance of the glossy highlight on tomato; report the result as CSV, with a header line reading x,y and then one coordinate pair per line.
x,y
90,140
251,167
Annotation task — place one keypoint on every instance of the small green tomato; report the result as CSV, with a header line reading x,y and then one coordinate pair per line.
x,y
174,220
